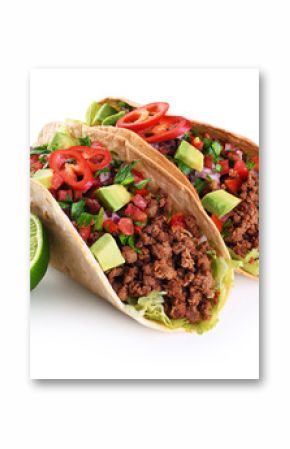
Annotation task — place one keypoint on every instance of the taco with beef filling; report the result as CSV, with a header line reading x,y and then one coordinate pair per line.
x,y
220,167
126,228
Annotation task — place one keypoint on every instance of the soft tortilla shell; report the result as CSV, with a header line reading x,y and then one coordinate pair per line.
x,y
245,144
70,254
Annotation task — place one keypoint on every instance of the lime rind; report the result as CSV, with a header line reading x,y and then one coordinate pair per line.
x,y
39,251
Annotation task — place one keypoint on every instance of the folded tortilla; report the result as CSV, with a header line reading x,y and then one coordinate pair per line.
x,y
71,255
245,144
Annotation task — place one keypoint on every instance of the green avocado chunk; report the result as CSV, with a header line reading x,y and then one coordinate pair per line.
x,y
220,202
114,197
189,155
103,112
44,177
62,140
107,252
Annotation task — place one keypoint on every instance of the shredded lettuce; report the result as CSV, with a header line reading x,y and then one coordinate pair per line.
x,y
251,267
152,308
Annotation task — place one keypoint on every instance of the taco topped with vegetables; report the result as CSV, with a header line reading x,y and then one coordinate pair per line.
x,y
222,168
125,228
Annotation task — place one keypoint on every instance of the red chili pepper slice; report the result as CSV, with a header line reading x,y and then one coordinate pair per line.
x,y
233,184
143,117
72,167
241,168
217,222
96,156
178,220
168,127
142,192
126,226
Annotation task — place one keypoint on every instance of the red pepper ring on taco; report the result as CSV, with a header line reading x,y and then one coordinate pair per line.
x,y
156,257
220,167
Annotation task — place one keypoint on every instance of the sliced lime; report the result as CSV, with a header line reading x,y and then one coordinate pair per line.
x,y
39,251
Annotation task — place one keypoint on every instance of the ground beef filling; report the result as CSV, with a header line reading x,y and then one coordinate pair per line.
x,y
243,234
171,259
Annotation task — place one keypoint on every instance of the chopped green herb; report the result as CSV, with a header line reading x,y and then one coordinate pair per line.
x,y
85,219
40,150
85,141
157,197
123,239
199,185
124,175
186,136
77,209
218,168
131,243
99,219
227,224
142,184
195,132
103,170
139,223
206,143
184,168
217,147
63,204
250,165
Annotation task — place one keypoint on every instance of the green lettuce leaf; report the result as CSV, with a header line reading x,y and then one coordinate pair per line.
x,y
244,263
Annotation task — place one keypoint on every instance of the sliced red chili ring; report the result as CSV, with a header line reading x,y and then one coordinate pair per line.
x,y
168,127
143,117
72,167
96,156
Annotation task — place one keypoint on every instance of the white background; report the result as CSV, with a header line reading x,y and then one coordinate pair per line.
x,y
75,337
148,414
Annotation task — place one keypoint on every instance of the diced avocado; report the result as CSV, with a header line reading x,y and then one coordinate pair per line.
x,y
112,119
114,197
103,112
44,177
107,252
62,140
220,202
189,155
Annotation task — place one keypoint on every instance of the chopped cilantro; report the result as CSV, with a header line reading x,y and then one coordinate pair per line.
x,y
217,147
130,241
85,141
40,150
63,204
195,132
102,170
77,209
142,184
218,168
250,165
183,167
99,220
124,175
206,143
186,136
85,219
199,185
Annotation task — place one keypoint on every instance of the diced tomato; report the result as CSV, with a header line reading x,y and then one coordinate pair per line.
x,y
178,220
208,161
138,230
138,176
233,156
233,184
92,205
225,167
241,168
110,226
126,226
78,195
207,136
255,159
139,201
196,142
142,192
65,195
85,232
57,181
135,213
217,222
35,163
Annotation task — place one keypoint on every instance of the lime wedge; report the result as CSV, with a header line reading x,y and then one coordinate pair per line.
x,y
39,251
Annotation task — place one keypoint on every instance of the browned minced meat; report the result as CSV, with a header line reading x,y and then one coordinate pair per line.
x,y
243,234
171,259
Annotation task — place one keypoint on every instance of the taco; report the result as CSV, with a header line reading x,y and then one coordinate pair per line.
x,y
127,229
221,168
